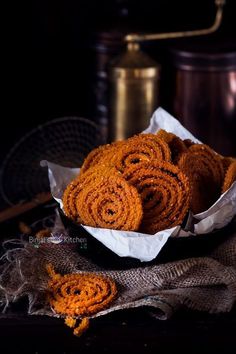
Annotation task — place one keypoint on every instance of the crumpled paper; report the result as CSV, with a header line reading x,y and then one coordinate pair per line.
x,y
143,246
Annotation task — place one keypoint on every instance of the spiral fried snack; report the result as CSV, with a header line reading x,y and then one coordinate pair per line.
x,y
226,161
176,145
110,202
138,149
204,169
211,159
165,194
72,191
230,177
100,154
79,295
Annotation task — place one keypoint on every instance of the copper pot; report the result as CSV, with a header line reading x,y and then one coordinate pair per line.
x,y
204,96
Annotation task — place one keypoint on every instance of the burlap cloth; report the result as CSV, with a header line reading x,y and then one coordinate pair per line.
x,y
204,283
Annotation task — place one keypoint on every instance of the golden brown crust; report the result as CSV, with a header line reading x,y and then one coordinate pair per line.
x,y
79,295
165,194
194,172
211,159
94,157
226,161
230,177
72,192
140,148
204,169
110,202
102,154
176,145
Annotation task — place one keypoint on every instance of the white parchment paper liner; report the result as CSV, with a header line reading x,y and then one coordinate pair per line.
x,y
135,244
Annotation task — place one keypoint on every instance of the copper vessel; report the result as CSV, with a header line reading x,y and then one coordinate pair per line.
x,y
205,96
134,79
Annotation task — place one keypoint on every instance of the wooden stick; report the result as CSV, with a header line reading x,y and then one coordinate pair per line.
x,y
24,207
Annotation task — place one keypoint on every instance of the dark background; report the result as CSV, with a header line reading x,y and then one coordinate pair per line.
x,y
49,67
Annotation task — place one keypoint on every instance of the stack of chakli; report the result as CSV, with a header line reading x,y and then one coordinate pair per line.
x,y
147,183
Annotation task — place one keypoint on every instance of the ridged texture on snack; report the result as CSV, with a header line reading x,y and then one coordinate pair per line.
x,y
165,194
73,190
230,177
204,168
176,145
110,202
82,295
138,149
101,154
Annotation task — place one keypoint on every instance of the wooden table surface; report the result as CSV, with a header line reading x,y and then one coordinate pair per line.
x,y
133,331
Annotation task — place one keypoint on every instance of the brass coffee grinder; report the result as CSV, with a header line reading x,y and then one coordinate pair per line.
x,y
134,81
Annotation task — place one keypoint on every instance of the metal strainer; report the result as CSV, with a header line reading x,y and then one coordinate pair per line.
x,y
65,141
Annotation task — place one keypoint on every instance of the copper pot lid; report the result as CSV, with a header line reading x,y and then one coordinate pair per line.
x,y
205,55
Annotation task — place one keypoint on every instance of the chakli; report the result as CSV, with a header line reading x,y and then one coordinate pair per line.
x,y
79,296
